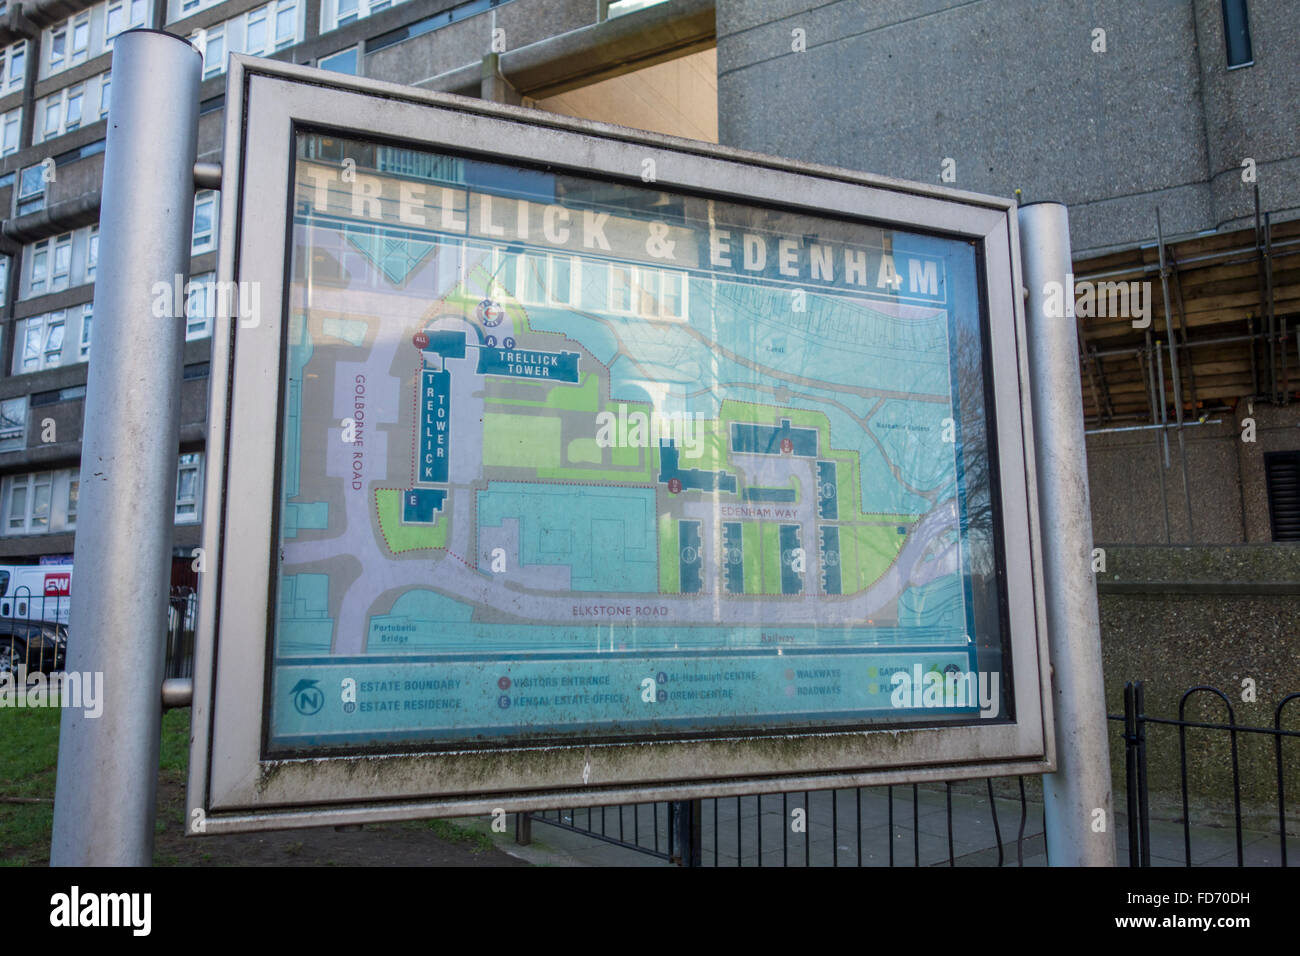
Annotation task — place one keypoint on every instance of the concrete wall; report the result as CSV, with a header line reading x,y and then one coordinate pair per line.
x,y
1013,92
1177,618
1228,494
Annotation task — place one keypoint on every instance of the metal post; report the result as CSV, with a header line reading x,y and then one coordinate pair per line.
x,y
1077,834
108,766
1173,368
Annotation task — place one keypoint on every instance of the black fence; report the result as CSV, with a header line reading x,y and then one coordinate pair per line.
x,y
982,822
182,619
34,632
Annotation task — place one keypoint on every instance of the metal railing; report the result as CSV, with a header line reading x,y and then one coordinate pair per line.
x,y
34,632
992,822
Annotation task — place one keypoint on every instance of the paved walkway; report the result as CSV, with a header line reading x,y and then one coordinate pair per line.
x,y
841,830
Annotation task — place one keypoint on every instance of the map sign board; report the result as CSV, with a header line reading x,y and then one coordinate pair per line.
x,y
563,463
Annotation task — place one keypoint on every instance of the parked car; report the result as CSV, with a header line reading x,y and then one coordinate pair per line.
x,y
36,645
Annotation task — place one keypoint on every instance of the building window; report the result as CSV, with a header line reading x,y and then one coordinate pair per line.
x,y
31,190
62,263
92,253
64,110
338,13
189,7
13,423
38,342
214,51
122,16
563,282
255,32
200,306
29,499
12,124
286,23
80,36
40,503
58,47
1236,31
189,487
105,87
649,293
87,321
72,115
345,61
205,222
13,62
39,256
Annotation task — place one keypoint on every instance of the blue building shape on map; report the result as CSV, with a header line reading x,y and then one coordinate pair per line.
x,y
529,363
791,580
768,494
448,344
692,581
828,491
830,550
421,505
692,479
733,557
766,439
435,414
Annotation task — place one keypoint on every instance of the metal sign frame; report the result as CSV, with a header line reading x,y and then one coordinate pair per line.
x,y
231,780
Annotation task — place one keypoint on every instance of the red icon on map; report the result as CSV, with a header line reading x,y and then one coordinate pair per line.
x,y
504,683
421,340
787,446
674,486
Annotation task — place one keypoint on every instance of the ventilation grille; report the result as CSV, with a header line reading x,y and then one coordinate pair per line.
x,y
1283,472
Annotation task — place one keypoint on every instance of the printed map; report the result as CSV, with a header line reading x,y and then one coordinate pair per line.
x,y
537,492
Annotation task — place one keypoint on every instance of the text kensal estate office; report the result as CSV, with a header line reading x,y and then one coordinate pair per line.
x,y
333,194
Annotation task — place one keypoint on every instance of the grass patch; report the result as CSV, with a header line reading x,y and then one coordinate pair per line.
x,y
29,756
449,831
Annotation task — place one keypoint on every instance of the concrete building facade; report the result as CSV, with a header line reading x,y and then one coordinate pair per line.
x,y
647,64
1116,108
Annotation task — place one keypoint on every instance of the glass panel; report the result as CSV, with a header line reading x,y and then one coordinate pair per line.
x,y
18,506
74,491
561,279
286,25
743,490
32,346
87,326
41,505
32,182
74,109
648,285
54,343
256,36
81,36
345,62
671,299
